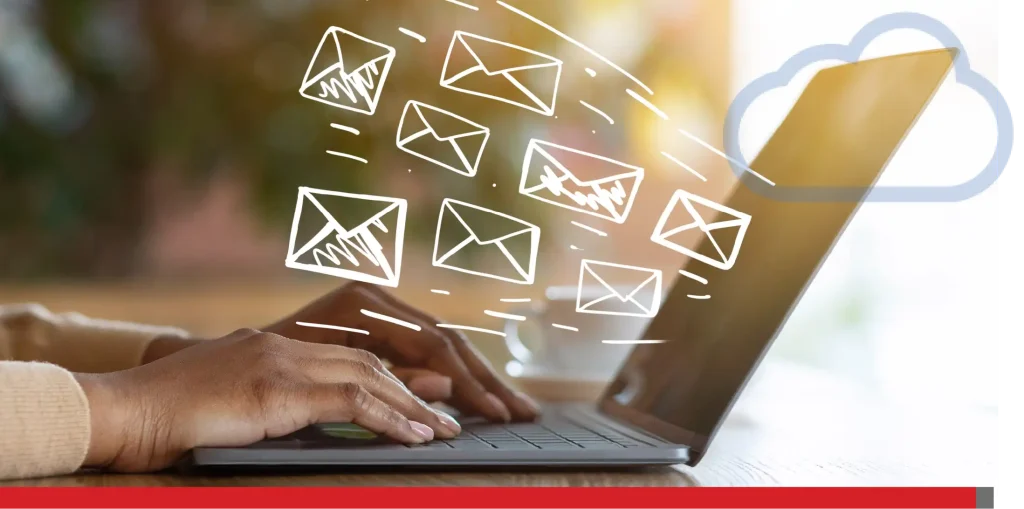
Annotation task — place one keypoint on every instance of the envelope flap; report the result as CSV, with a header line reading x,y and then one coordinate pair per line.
x,y
708,215
326,59
348,211
341,51
714,215
581,167
355,51
444,125
623,281
725,239
683,216
486,225
501,57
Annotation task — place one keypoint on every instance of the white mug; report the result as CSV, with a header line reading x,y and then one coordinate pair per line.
x,y
544,345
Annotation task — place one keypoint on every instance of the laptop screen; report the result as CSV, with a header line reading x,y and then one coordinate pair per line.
x,y
840,134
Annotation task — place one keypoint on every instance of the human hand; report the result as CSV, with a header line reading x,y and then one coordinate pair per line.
x,y
240,389
429,360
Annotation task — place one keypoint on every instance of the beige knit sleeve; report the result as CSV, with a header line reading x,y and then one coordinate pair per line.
x,y
44,415
44,421
30,332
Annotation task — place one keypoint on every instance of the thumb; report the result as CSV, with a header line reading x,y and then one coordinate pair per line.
x,y
427,385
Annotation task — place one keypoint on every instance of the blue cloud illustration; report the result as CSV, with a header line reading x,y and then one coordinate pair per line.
x,y
851,53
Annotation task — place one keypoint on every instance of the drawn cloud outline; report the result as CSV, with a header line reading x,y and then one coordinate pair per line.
x,y
849,53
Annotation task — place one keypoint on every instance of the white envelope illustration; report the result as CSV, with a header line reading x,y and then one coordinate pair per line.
x,y
721,227
350,248
466,226
580,181
478,71
442,138
638,294
347,71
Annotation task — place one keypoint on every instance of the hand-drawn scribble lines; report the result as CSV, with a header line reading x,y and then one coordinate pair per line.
x,y
364,244
359,84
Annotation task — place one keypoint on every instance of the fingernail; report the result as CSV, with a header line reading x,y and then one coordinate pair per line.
x,y
499,407
449,422
529,402
422,430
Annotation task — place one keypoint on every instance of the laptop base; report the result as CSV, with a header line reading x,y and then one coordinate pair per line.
x,y
566,436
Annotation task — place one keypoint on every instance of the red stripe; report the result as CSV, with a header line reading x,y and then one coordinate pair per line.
x,y
488,497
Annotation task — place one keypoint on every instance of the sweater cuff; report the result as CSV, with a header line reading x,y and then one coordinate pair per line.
x,y
44,426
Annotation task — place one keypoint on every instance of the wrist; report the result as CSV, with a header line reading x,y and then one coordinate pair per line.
x,y
108,418
162,346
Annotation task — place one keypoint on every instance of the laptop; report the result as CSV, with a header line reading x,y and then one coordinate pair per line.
x,y
668,399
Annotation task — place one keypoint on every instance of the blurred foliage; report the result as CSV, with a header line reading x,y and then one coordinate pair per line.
x,y
97,95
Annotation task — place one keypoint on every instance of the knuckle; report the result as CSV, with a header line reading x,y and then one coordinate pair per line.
x,y
245,332
352,294
366,372
355,397
266,341
397,420
358,288
361,287
438,344
370,359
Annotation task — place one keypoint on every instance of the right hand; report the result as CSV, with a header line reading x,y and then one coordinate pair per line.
x,y
240,389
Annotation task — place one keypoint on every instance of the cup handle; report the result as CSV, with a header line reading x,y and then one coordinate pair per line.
x,y
515,345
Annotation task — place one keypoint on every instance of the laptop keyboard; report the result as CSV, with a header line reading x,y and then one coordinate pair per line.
x,y
533,436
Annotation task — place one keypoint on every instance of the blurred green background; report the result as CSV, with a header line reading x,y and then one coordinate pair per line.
x,y
131,129
102,95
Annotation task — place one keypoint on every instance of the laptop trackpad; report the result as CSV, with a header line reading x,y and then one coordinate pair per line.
x,y
331,435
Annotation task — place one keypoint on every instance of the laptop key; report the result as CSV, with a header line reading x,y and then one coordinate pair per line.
x,y
520,446
496,437
575,436
626,441
472,445
558,447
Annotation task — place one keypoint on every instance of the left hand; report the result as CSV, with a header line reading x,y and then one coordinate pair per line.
x,y
435,364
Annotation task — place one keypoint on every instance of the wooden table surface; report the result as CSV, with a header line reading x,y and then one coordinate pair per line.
x,y
792,426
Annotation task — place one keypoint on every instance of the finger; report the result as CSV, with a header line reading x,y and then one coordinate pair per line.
x,y
330,372
329,351
521,405
428,345
348,402
384,387
335,352
428,385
